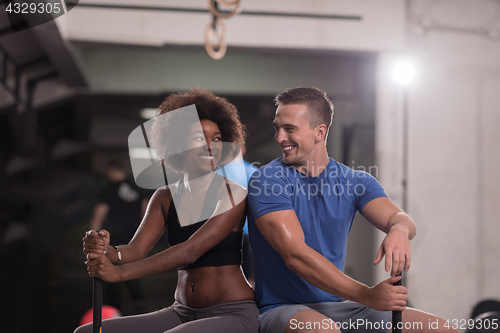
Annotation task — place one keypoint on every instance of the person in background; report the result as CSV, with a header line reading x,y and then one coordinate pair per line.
x,y
120,208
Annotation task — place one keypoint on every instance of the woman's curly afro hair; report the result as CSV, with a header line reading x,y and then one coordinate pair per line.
x,y
170,132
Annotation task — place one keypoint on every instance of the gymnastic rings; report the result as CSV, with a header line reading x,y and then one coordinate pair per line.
x,y
228,2
215,11
217,50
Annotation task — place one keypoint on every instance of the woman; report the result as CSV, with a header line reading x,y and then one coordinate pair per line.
x,y
203,213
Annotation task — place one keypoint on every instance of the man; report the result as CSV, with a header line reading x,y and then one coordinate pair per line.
x,y
301,209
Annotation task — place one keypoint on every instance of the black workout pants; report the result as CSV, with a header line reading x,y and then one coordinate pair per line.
x,y
227,317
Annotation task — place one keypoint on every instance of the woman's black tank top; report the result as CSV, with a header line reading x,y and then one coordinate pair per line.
x,y
227,252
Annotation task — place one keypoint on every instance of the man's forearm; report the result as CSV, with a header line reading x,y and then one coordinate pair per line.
x,y
321,273
403,221
98,216
96,223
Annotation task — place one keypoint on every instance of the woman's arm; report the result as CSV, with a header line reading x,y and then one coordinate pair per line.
x,y
149,232
209,235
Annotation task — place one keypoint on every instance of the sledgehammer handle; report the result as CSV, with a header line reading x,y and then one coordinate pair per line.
x,y
397,317
97,305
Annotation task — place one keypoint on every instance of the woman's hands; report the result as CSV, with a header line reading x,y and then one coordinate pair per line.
x,y
103,268
95,245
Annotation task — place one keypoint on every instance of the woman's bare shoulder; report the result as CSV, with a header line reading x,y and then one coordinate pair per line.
x,y
232,191
165,192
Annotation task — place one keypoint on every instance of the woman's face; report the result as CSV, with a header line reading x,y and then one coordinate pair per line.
x,y
203,148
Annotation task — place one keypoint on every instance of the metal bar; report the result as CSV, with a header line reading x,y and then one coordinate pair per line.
x,y
35,80
4,69
33,62
6,60
18,68
7,56
297,15
484,32
199,10
31,133
405,149
97,306
214,19
16,83
397,316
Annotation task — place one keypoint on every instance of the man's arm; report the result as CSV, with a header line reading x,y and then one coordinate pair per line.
x,y
100,213
400,229
283,232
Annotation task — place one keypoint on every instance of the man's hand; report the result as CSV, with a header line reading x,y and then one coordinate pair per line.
x,y
400,229
395,248
101,267
386,297
95,243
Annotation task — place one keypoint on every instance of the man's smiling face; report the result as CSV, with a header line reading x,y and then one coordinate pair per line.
x,y
294,135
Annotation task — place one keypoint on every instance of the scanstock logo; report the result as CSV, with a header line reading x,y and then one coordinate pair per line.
x,y
25,14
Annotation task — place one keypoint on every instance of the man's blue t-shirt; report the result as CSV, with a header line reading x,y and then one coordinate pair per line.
x,y
325,206
239,172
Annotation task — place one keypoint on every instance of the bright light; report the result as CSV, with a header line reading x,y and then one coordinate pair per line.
x,y
148,113
142,153
404,72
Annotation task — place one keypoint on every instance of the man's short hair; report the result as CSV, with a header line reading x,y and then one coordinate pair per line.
x,y
318,104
